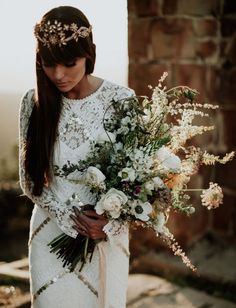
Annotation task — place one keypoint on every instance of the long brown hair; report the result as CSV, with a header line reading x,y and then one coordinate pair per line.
x,y
43,123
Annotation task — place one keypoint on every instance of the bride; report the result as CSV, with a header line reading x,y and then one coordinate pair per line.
x,y
58,120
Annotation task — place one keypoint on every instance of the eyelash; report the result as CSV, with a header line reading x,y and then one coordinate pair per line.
x,y
66,64
70,64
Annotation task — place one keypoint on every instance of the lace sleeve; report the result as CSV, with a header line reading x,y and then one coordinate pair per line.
x,y
48,200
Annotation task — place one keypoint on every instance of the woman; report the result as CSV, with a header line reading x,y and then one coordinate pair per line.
x,y
57,123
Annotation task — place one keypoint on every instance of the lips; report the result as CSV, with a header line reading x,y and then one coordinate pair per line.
x,y
61,84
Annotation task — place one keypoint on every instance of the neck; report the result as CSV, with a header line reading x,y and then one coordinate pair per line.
x,y
84,88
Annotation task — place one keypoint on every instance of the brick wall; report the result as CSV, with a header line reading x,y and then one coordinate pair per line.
x,y
195,42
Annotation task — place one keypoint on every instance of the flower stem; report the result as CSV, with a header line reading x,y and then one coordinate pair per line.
x,y
193,189
86,248
182,88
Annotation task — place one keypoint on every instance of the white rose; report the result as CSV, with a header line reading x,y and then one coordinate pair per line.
x,y
106,137
111,202
94,177
169,160
127,174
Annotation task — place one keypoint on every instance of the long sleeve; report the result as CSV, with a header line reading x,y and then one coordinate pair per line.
x,y
57,210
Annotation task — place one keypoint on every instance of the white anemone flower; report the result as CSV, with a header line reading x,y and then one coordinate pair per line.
x,y
127,174
140,209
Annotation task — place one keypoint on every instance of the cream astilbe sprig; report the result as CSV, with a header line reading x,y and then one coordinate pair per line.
x,y
192,160
158,105
210,159
167,102
175,107
171,242
180,134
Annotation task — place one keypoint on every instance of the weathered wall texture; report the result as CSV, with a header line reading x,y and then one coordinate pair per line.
x,y
195,42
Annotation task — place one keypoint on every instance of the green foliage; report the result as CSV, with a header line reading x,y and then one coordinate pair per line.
x,y
190,94
158,143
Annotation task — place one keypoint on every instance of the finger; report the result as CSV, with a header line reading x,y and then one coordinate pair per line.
x,y
98,235
81,210
95,216
76,210
79,222
91,214
76,228
81,231
86,220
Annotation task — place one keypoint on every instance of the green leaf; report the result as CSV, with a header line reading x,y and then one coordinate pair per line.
x,y
157,144
190,94
143,197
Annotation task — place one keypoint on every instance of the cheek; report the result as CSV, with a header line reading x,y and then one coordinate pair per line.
x,y
81,66
79,72
47,72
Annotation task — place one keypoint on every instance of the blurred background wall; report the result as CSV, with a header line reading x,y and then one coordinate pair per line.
x,y
195,42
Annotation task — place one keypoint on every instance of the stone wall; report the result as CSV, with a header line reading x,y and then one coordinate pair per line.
x,y
195,42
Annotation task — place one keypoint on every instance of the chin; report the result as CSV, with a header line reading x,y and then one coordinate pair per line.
x,y
64,89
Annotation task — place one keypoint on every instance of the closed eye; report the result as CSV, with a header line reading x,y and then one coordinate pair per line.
x,y
70,64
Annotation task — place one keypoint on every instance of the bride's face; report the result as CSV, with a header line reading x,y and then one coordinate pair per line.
x,y
66,76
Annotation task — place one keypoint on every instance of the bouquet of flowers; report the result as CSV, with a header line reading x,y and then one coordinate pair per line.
x,y
142,164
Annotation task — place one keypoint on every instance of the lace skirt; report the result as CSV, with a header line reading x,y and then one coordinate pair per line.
x,y
102,283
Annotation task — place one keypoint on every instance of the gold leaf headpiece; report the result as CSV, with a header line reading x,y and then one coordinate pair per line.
x,y
55,33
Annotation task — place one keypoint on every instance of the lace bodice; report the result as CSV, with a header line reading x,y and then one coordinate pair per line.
x,y
80,122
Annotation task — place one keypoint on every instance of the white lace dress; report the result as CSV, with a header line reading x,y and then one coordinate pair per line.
x,y
103,282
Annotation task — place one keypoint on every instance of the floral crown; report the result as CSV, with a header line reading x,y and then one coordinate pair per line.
x,y
56,33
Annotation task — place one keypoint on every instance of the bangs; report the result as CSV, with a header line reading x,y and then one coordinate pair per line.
x,y
63,54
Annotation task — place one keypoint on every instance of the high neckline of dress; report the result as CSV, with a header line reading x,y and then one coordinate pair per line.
x,y
74,100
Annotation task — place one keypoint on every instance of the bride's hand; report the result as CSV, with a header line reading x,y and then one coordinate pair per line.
x,y
89,223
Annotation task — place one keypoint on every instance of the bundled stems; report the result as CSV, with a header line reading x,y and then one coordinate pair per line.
x,y
72,250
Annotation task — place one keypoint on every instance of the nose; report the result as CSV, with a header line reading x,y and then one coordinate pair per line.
x,y
58,72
